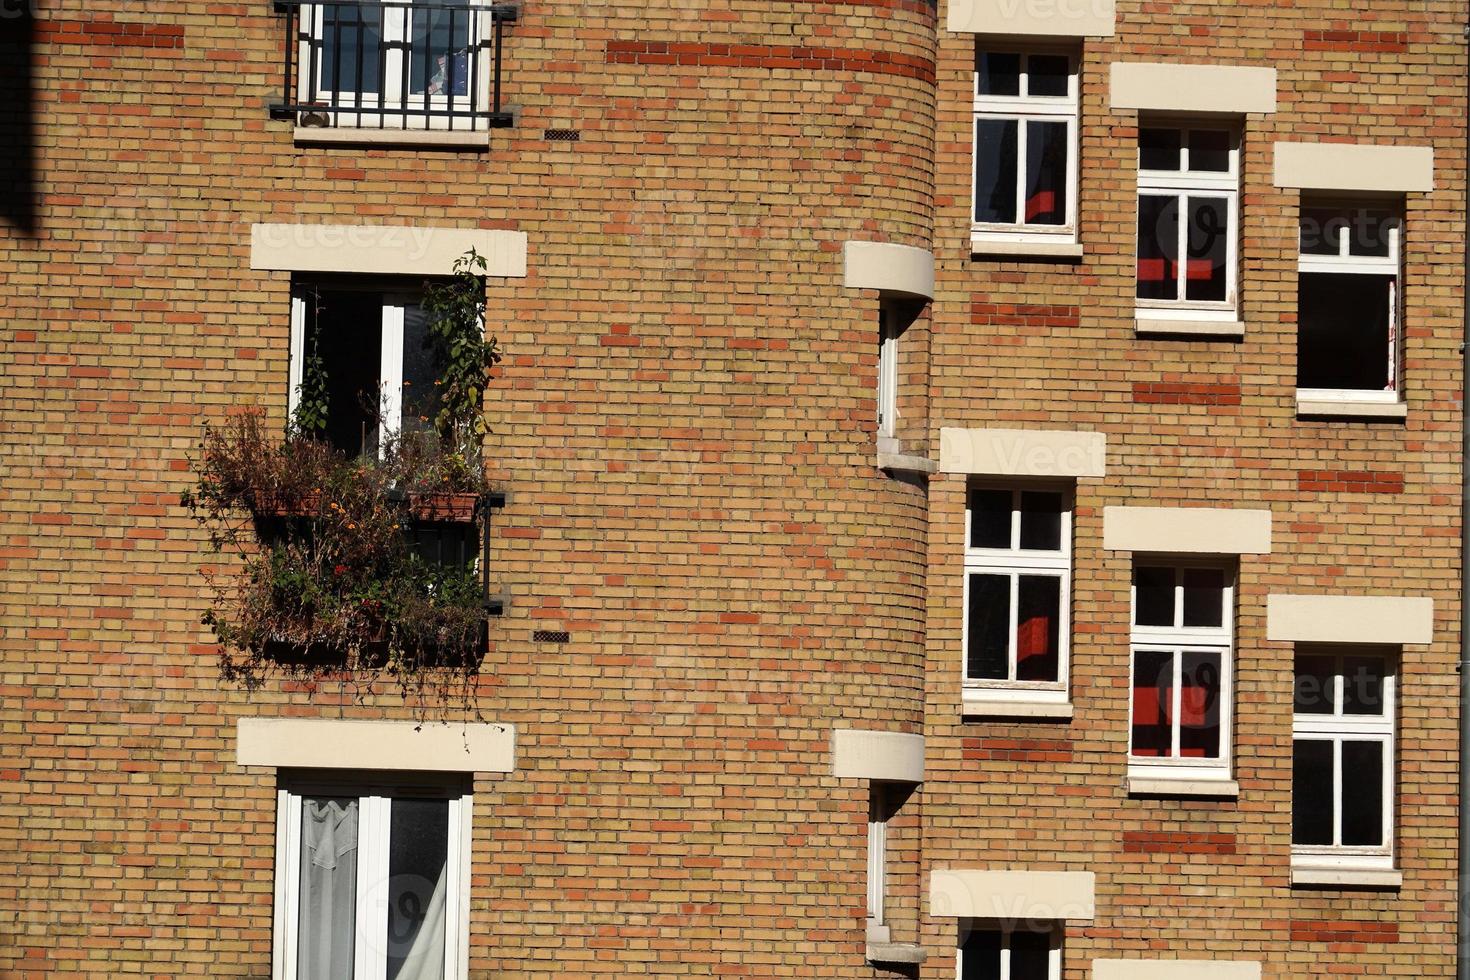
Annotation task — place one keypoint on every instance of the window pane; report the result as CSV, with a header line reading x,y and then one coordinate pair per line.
x,y
1158,149
989,626
1201,699
345,328
326,928
421,369
1314,693
1041,521
418,850
1209,151
1000,73
1322,230
1342,331
980,955
1370,232
1030,955
438,56
1362,794
351,38
1038,627
1047,74
995,170
1204,597
990,518
1311,791
1153,590
1362,686
1158,247
1046,173
1209,238
1153,685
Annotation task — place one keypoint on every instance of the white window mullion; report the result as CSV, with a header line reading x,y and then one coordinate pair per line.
x,y
1015,619
1182,274
1337,791
390,374
457,870
298,351
1021,171
284,942
1176,700
877,861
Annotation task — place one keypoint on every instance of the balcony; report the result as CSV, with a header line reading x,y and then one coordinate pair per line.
x,y
363,71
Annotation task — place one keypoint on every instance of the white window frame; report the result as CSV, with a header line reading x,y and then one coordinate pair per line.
x,y
375,795
1022,109
1054,958
877,855
1337,728
386,110
1344,262
887,370
390,367
1183,184
1013,562
1177,640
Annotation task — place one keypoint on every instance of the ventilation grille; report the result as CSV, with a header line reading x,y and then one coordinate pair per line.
x,y
551,636
562,135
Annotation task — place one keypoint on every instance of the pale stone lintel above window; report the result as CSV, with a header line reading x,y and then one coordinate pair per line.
x,y
899,270
892,757
981,703
310,743
458,139
1012,895
1187,530
1033,18
1173,786
1175,970
1350,618
1355,167
1023,452
1345,877
383,249
1170,87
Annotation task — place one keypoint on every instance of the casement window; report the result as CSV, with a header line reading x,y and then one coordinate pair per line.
x,y
888,331
372,347
1343,759
1025,142
883,802
1349,302
1188,221
988,951
372,880
1180,706
1018,567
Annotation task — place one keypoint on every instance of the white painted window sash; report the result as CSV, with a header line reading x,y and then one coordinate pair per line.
x,y
1053,964
877,863
887,371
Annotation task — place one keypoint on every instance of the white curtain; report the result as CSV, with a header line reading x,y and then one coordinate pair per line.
x,y
425,959
325,939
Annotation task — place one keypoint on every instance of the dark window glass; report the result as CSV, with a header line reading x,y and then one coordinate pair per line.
x,y
1311,792
348,61
1030,955
1342,331
1322,230
1209,151
1158,149
346,330
418,849
1038,627
988,652
1047,74
1204,597
1370,231
421,368
995,170
1000,73
990,518
1153,703
980,955
1153,590
1362,686
1201,692
1046,173
1041,521
1362,794
439,50
1158,247
1209,237
1314,693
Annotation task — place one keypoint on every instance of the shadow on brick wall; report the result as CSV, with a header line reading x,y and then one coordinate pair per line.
x,y
18,116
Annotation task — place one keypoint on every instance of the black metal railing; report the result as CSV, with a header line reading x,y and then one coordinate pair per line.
x,y
424,64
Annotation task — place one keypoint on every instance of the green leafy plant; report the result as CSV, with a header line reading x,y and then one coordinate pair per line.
x,y
455,310
310,416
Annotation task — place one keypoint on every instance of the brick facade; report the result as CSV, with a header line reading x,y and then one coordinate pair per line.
x,y
685,434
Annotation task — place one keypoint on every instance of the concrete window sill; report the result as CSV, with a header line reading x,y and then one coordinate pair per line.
x,y
984,704
1222,329
904,463
1306,876
1165,786
1000,248
1322,408
905,953
368,136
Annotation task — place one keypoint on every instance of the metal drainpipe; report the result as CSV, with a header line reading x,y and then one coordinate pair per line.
x,y
1462,957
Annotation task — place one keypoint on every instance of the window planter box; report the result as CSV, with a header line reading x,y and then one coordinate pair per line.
x,y
269,503
444,508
